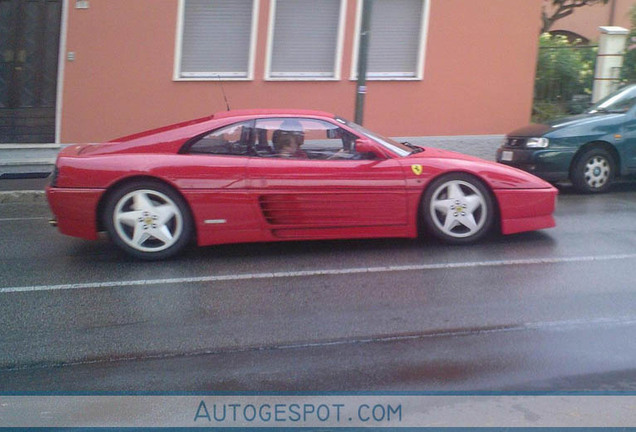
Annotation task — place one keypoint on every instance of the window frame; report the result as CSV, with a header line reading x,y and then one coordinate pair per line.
x,y
186,149
211,75
324,124
393,76
300,76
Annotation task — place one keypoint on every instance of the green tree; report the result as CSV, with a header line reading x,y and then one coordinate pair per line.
x,y
562,8
565,72
629,62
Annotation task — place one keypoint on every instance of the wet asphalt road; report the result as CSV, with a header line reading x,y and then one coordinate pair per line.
x,y
549,310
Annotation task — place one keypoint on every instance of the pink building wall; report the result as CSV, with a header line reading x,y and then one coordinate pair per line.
x,y
478,74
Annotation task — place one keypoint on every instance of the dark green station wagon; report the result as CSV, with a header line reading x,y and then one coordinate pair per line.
x,y
590,149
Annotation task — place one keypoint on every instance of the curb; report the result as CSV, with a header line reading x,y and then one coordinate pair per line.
x,y
27,196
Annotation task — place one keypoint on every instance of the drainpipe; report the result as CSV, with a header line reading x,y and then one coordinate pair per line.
x,y
609,60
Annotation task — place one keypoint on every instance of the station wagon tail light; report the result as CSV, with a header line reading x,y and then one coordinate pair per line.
x,y
537,142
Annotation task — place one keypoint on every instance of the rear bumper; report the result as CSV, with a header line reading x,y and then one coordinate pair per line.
x,y
526,209
75,210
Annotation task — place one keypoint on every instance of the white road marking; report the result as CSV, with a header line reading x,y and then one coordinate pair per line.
x,y
22,219
323,272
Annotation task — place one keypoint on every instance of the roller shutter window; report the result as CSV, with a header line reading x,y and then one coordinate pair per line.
x,y
304,43
395,39
216,38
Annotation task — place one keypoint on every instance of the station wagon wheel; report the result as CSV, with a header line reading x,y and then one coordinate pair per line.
x,y
148,220
457,208
593,171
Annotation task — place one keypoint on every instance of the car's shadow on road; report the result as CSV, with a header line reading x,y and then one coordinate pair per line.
x,y
620,186
372,247
105,252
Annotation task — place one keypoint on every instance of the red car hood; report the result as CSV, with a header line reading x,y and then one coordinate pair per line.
x,y
497,175
447,154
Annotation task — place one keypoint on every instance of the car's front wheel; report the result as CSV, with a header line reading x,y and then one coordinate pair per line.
x,y
458,208
148,220
593,171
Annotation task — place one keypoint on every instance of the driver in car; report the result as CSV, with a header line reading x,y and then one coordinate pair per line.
x,y
288,139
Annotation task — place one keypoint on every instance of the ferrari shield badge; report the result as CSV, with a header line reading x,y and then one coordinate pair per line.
x,y
417,169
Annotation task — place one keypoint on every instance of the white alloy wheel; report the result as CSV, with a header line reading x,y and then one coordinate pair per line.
x,y
147,220
458,208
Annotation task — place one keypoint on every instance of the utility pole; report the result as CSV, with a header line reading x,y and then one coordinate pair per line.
x,y
612,13
363,51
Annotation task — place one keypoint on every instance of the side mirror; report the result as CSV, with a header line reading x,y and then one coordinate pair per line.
x,y
368,148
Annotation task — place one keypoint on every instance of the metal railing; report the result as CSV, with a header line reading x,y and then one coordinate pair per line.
x,y
564,80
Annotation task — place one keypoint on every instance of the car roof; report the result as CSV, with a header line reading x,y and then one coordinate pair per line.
x,y
193,126
270,112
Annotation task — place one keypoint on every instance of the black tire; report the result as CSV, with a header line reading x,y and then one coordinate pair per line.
x,y
148,220
457,208
593,171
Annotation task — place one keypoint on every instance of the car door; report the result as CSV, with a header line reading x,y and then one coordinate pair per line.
x,y
212,175
325,184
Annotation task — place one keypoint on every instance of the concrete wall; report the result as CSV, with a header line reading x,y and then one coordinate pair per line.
x,y
478,75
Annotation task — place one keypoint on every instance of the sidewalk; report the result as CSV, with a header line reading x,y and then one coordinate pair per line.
x,y
482,146
20,163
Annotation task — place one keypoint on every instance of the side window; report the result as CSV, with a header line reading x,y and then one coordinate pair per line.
x,y
228,140
302,138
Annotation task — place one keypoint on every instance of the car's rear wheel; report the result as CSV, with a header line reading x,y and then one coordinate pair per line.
x,y
148,220
593,171
458,208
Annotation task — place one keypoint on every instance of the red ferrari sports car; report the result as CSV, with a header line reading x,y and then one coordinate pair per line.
x,y
272,175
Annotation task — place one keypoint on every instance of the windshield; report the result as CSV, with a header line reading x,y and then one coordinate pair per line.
x,y
618,102
394,146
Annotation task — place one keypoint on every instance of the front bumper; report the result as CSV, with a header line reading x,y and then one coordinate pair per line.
x,y
548,164
526,209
